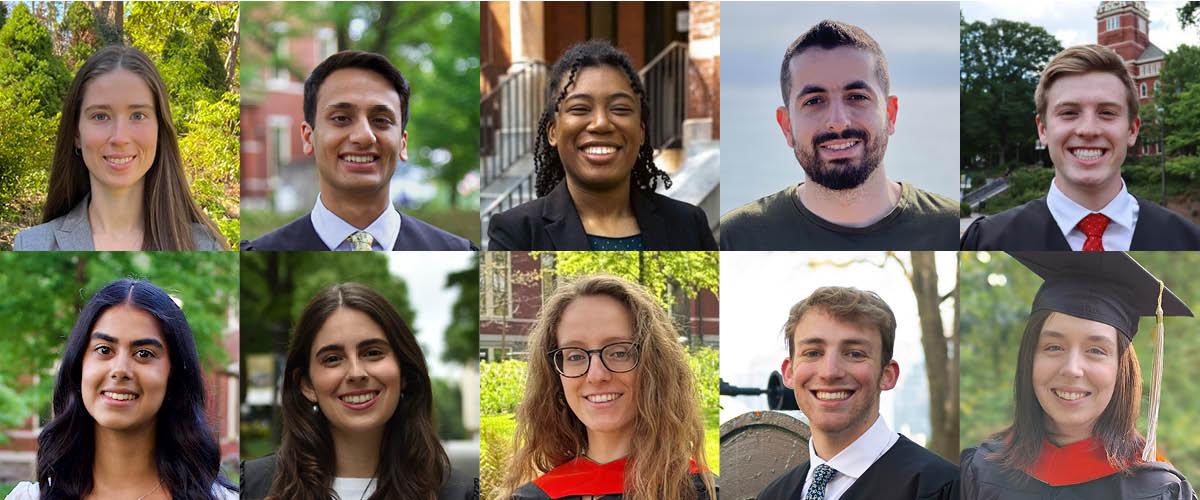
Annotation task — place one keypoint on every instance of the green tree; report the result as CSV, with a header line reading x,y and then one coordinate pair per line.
x,y
462,335
661,273
83,31
29,70
1189,14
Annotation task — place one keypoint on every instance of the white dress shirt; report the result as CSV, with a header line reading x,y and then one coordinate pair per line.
x,y
350,488
853,461
1122,212
333,230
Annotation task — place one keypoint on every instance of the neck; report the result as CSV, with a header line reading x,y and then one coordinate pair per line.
x,y
611,203
357,452
357,209
1093,198
124,464
604,447
1061,436
855,207
827,445
116,212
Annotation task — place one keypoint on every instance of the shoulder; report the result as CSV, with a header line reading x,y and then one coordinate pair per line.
x,y
459,486
288,237
933,470
792,480
416,234
1156,480
257,475
931,203
39,237
512,229
529,491
1168,224
757,219
671,207
987,232
24,490
205,239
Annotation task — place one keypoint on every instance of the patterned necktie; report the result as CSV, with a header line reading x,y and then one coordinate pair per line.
x,y
1093,227
361,241
821,477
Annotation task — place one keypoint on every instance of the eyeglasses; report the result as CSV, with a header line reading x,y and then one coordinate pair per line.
x,y
573,362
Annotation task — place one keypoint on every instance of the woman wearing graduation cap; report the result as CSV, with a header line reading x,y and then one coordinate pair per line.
x,y
1078,388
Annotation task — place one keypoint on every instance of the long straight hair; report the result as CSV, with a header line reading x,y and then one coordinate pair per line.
x,y
412,463
168,210
1116,429
186,454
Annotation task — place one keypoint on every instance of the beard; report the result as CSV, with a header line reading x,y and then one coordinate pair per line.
x,y
842,174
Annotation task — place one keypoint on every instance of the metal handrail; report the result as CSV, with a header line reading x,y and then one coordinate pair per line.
x,y
665,80
508,117
516,194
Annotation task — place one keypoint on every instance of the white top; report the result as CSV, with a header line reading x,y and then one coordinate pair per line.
x,y
1122,210
354,488
853,461
333,230
26,490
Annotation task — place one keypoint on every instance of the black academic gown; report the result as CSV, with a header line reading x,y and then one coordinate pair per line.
x,y
905,472
983,479
1030,227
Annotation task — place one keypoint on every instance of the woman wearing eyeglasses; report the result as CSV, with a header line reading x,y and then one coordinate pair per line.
x,y
610,408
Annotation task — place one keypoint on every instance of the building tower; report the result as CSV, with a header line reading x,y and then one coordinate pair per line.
x,y
1125,27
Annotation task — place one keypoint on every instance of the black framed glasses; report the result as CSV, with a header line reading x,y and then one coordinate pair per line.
x,y
573,362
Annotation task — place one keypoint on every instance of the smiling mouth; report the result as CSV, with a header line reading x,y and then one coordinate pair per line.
x,y
600,150
1087,154
358,399
119,160
840,146
1070,395
832,395
361,159
120,396
603,398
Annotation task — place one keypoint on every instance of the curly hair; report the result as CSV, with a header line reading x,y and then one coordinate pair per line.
x,y
547,163
667,424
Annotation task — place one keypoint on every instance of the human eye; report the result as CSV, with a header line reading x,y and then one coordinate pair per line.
x,y
1098,351
145,354
340,119
574,355
99,116
374,353
856,355
810,354
1052,348
813,101
331,359
103,350
383,121
138,115
858,97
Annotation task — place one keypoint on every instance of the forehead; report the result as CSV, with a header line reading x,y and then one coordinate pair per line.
x,y
1087,88
832,68
347,327
1076,328
117,88
593,321
127,323
599,80
818,326
361,87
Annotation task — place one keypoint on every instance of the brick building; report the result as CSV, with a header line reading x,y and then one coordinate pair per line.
x,y
1125,27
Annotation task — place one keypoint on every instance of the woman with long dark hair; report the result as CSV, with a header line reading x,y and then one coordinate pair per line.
x,y
596,175
1078,389
128,407
117,180
357,409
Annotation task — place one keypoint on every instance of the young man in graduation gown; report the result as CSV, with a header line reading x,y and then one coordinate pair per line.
x,y
836,116
1087,116
355,114
839,360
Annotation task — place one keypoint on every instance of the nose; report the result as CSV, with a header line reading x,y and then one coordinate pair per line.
x,y
119,368
1087,125
838,118
357,370
120,132
600,121
1072,364
830,368
597,372
361,134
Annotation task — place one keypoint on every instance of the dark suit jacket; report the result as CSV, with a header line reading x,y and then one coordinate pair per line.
x,y
905,472
415,234
1030,227
552,223
258,474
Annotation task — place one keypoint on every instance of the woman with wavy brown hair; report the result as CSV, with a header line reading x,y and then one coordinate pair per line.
x,y
610,404
357,409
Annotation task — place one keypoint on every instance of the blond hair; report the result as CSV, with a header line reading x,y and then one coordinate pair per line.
x,y
1082,59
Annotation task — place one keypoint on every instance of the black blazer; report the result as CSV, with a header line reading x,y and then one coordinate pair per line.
x,y
415,234
552,223
1031,227
257,476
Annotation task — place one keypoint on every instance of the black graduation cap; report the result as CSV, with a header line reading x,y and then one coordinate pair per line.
x,y
1111,288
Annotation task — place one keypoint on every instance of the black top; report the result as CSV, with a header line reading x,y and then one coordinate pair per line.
x,y
983,479
905,472
415,234
552,223
257,476
1030,227
530,491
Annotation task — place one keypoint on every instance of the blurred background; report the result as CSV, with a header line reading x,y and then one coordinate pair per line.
x,y
515,284
193,44
43,293
435,45
997,292
436,293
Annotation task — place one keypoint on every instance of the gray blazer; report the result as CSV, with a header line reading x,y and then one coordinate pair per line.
x,y
73,232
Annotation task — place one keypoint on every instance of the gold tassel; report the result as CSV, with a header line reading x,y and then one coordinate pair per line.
x,y
1149,453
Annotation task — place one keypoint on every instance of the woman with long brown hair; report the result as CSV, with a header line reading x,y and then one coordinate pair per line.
x,y
1078,389
117,180
357,410
610,404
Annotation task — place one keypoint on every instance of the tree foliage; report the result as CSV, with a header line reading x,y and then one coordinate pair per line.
x,y
462,335
29,68
661,273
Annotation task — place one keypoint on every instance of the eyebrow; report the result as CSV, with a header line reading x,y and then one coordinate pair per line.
x,y
340,347
109,107
614,95
821,341
137,343
604,342
346,106
1090,338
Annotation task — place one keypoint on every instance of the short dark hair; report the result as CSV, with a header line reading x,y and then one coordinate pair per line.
x,y
847,305
354,59
830,35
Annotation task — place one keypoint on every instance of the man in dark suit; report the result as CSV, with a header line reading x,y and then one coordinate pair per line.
x,y
1087,116
355,114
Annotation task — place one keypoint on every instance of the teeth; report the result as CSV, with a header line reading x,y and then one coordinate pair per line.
x,y
1069,396
600,150
1087,154
832,396
121,396
839,147
602,398
358,158
360,398
119,160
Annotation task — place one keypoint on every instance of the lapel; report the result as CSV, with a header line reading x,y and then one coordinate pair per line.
x,y
1145,240
802,473
1051,234
563,226
75,232
650,222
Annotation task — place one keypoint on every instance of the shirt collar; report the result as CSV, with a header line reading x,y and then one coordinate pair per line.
x,y
864,451
1121,209
333,230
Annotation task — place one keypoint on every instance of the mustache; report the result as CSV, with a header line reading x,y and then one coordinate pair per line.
x,y
850,133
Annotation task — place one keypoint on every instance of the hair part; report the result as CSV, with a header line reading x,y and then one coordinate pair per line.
x,y
412,462
829,35
168,210
1083,59
847,305
592,53
548,433
369,61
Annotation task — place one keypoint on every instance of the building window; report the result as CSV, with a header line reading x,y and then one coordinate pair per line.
x,y
495,290
1142,24
279,143
548,276
282,53
1142,89
1112,23
326,43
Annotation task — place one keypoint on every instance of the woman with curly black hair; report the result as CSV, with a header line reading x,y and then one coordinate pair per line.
x,y
595,170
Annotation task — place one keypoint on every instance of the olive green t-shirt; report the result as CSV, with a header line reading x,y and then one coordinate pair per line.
x,y
920,221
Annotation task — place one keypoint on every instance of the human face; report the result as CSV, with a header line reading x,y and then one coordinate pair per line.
x,y
837,373
837,119
598,129
1088,129
357,138
1074,373
125,369
118,130
353,374
604,401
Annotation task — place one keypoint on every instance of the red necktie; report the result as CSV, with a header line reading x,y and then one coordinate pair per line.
x,y
1093,227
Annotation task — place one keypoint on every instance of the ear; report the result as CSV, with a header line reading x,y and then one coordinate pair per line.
x,y
306,389
1041,128
404,146
550,133
1134,128
787,372
891,375
893,108
306,131
785,124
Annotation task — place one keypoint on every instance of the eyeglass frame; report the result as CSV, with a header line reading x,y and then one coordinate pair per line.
x,y
637,346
